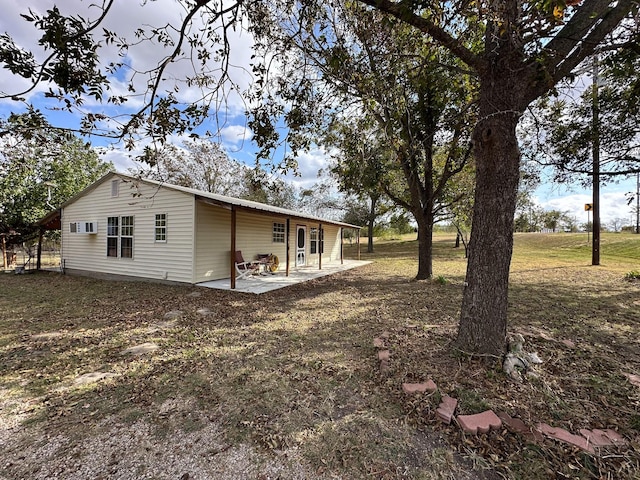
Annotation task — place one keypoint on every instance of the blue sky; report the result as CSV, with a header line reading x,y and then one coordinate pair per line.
x,y
230,123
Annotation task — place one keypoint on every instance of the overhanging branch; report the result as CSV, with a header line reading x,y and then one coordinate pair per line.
x,y
582,34
402,10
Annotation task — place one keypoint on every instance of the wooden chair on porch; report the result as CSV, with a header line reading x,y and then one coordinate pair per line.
x,y
244,269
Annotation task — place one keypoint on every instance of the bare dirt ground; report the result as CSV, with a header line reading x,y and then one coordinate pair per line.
x,y
279,386
286,385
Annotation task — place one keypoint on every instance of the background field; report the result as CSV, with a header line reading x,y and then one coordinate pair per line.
x,y
287,384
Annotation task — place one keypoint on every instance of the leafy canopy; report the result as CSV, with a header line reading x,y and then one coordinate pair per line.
x,y
39,173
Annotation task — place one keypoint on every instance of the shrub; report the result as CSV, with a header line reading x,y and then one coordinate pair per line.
x,y
632,275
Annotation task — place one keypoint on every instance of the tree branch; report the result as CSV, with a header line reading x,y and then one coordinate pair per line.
x,y
402,11
54,53
582,34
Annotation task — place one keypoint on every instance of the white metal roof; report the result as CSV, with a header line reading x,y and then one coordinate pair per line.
x,y
219,199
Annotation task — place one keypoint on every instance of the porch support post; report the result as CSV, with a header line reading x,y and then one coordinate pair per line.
x,y
233,248
358,242
319,246
4,251
287,246
39,255
341,245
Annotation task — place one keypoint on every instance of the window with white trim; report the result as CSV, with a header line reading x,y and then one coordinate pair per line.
x,y
160,234
278,232
115,188
120,234
126,237
112,236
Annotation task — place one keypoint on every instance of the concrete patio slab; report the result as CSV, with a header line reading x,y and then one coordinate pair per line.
x,y
267,282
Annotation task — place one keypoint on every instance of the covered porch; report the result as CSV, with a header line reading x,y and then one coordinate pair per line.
x,y
258,284
297,242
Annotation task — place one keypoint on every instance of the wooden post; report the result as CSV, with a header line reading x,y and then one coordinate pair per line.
x,y
358,242
39,255
287,247
233,247
4,251
341,245
319,246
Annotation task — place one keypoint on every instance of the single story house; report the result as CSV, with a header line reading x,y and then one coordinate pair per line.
x,y
127,226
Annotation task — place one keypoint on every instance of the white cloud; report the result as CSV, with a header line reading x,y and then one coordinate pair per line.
x,y
122,161
236,134
309,164
613,205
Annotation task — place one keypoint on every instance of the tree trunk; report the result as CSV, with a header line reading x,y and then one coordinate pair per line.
x,y
483,317
372,220
370,237
425,246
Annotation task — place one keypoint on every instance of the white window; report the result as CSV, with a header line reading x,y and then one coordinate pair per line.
x,y
120,233
112,236
313,236
161,227
278,232
126,237
115,188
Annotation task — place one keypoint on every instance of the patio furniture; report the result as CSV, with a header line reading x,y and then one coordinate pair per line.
x,y
269,262
275,263
244,269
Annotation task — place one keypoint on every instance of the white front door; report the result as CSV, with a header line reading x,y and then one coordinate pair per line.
x,y
301,246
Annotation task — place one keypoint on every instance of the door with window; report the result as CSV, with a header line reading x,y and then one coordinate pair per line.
x,y
301,246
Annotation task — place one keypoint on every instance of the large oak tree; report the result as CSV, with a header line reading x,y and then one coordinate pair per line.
x,y
528,48
403,104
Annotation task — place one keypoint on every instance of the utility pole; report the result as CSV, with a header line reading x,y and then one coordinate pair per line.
x,y
595,127
638,202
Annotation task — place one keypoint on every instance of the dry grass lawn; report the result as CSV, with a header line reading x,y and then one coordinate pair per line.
x,y
286,384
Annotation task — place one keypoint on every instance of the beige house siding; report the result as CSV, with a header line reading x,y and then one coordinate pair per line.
x,y
254,235
213,241
332,241
171,260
